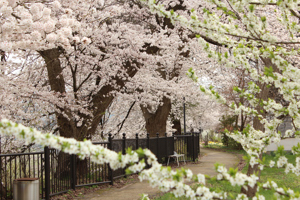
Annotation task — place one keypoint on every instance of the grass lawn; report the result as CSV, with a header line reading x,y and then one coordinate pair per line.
x,y
278,175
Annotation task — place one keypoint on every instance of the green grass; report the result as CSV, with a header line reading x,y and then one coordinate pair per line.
x,y
278,175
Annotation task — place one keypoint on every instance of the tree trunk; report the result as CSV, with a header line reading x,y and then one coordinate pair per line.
x,y
157,122
57,84
100,101
2,190
263,95
177,126
66,123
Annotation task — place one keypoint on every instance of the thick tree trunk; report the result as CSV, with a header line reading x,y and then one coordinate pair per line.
x,y
67,126
57,84
157,122
100,101
263,95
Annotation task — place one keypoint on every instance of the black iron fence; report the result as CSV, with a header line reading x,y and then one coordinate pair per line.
x,y
59,172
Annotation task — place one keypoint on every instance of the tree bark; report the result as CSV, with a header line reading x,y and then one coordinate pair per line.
x,y
100,101
157,122
57,84
263,95
177,126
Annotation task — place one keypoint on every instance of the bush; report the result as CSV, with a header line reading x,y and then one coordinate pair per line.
x,y
227,122
231,143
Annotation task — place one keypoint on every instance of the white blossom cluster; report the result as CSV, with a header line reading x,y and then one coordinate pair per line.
x,y
37,26
239,179
280,191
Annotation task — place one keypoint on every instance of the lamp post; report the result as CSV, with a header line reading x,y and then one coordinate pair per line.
x,y
184,128
200,134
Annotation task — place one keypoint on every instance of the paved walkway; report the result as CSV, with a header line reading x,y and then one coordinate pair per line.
x,y
287,143
133,191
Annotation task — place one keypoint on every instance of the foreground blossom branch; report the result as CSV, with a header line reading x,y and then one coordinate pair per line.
x,y
158,176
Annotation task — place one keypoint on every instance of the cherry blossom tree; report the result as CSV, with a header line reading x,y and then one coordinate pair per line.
x,y
75,57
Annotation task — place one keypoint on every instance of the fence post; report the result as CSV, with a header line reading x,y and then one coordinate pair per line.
x,y
173,135
136,141
73,171
123,149
148,141
166,139
193,146
110,171
157,147
47,172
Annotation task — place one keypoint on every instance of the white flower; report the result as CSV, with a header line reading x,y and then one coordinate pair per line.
x,y
49,26
6,11
241,197
68,12
38,26
36,8
25,15
281,161
221,169
240,179
145,197
273,184
76,39
26,23
85,41
260,197
280,190
189,174
52,37
6,46
3,3
7,27
101,2
219,177
46,12
201,179
56,5
67,32
272,163
35,35
64,22
253,161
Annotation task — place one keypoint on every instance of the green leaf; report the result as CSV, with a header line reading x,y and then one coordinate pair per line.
x,y
127,171
251,7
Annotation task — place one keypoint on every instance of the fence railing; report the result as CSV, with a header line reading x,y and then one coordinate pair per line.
x,y
59,172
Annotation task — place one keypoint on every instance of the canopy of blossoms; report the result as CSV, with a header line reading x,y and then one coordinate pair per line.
x,y
260,37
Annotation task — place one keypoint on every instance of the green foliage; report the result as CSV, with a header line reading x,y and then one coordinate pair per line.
x,y
296,149
227,124
280,151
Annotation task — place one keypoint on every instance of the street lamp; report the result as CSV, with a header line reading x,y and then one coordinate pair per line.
x,y
184,128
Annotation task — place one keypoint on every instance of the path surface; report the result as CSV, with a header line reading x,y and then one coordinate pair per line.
x,y
133,191
287,143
